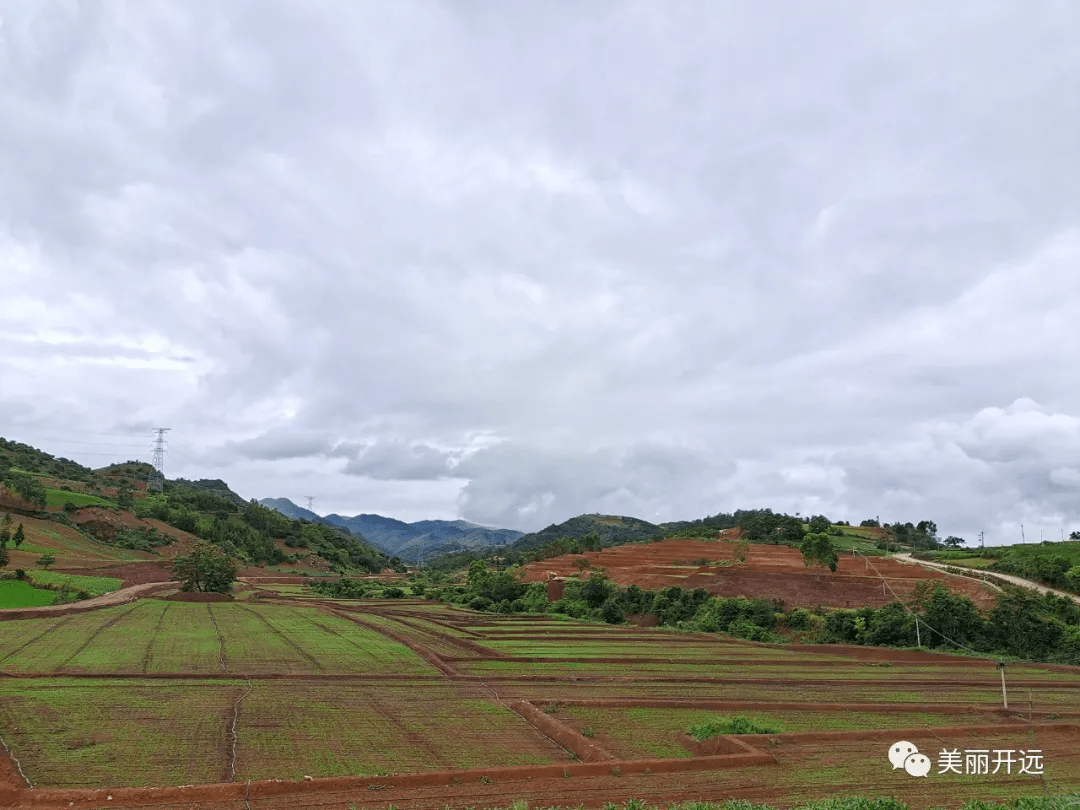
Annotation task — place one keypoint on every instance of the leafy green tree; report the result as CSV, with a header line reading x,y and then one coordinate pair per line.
x,y
45,560
207,568
125,498
4,559
954,542
1074,535
479,578
819,523
597,590
19,536
817,549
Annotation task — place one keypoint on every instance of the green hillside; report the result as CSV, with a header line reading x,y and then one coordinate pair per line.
x,y
55,492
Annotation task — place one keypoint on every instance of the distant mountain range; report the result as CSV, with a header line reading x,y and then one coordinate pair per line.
x,y
405,540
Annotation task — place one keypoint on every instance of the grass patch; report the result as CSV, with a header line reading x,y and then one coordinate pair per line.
x,y
58,497
95,586
16,594
735,725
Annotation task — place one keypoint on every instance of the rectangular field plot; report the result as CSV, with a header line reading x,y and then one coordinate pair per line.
x,y
69,733
287,731
654,732
646,647
156,636
980,696
270,639
49,645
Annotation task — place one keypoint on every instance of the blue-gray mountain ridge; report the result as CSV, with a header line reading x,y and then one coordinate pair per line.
x,y
405,540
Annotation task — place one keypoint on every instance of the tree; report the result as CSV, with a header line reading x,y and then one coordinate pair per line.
x,y
870,522
207,568
19,536
45,560
954,542
4,559
479,578
817,549
125,498
1074,535
927,527
819,523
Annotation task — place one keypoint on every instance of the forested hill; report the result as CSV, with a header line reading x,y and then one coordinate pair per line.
x,y
611,529
111,505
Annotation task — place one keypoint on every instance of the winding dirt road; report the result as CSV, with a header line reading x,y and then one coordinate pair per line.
x,y
1023,583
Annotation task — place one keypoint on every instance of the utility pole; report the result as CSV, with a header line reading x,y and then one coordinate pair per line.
x,y
981,539
156,480
1022,538
310,502
1004,694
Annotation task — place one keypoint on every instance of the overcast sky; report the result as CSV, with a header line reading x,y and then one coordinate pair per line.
x,y
519,261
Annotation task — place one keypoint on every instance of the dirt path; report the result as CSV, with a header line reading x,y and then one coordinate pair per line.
x,y
120,597
1023,583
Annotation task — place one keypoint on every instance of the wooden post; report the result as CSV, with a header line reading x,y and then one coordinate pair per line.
x,y
1004,694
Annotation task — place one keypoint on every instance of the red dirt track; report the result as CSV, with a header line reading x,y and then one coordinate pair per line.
x,y
770,572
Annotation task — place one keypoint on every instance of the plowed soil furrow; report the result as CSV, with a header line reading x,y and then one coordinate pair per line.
x,y
148,656
94,635
300,650
40,635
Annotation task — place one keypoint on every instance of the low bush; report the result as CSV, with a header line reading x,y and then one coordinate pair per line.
x,y
736,725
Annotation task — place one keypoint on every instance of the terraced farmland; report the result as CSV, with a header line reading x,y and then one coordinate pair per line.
x,y
414,704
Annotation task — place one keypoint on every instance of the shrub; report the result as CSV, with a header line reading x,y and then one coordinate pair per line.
x,y
480,603
799,619
736,725
743,628
393,593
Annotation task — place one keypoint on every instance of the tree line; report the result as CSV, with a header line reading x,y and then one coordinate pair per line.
x,y
1022,624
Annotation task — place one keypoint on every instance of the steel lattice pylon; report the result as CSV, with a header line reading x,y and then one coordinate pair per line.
x,y
155,482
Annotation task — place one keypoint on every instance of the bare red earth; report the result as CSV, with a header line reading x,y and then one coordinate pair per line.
x,y
769,572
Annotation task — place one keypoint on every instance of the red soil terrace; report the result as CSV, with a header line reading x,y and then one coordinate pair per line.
x,y
770,572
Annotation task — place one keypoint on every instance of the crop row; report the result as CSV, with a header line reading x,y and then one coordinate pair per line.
x,y
157,636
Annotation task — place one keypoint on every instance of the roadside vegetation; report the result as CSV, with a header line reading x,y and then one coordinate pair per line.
x,y
1054,564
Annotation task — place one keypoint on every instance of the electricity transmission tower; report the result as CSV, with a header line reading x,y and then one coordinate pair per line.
x,y
310,502
155,482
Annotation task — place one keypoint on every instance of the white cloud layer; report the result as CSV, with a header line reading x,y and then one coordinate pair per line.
x,y
515,262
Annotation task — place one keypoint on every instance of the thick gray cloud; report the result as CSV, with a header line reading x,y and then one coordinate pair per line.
x,y
514,262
